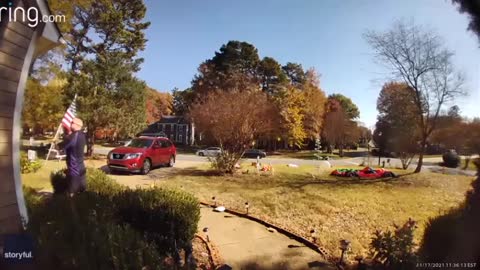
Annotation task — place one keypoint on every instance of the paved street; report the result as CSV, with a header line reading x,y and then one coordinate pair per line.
x,y
394,162
429,163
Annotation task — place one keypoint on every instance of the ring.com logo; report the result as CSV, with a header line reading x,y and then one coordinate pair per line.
x,y
29,15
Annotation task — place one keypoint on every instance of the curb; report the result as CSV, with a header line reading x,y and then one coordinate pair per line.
x,y
283,231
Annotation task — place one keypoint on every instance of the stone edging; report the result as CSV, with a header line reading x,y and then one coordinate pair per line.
x,y
283,231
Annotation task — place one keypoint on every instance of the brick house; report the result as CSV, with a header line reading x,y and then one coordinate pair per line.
x,y
178,129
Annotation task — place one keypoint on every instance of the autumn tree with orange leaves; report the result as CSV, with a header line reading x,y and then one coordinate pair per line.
x,y
234,126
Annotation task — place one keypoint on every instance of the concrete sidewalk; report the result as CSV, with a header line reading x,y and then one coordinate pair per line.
x,y
244,244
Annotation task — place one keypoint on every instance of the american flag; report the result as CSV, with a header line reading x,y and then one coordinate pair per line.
x,y
69,115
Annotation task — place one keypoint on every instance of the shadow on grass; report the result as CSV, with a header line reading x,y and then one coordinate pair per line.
x,y
344,182
193,171
162,172
406,174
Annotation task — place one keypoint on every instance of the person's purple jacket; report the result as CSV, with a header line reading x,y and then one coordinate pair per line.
x,y
74,149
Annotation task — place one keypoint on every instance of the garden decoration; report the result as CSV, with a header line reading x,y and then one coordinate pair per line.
x,y
205,231
313,235
344,172
366,173
266,168
344,247
220,209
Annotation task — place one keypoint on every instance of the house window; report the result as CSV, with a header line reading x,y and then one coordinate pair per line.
x,y
180,128
180,138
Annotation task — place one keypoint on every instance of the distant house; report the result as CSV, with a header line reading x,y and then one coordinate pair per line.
x,y
176,128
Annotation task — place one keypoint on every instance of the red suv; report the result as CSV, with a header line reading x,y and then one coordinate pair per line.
x,y
142,154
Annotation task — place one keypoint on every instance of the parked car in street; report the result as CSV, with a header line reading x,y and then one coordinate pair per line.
x,y
254,153
209,152
142,154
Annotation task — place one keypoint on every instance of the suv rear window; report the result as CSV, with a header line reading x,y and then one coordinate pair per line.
x,y
165,143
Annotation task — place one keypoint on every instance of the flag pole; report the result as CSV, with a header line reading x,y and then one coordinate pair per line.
x,y
54,140
57,134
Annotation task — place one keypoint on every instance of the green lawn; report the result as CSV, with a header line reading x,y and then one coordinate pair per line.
x,y
471,166
41,179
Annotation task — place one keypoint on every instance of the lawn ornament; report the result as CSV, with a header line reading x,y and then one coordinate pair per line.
x,y
220,209
365,173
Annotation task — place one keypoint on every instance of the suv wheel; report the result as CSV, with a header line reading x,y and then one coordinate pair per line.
x,y
201,154
171,162
147,165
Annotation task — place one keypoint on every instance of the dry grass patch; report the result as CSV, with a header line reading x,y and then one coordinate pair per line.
x,y
306,197
303,198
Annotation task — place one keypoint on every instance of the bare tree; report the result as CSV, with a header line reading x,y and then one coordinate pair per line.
x,y
234,119
338,129
417,56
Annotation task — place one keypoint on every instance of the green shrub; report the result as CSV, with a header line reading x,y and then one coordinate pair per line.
x,y
225,162
111,227
439,236
31,197
169,217
98,181
81,233
451,159
395,250
28,166
59,181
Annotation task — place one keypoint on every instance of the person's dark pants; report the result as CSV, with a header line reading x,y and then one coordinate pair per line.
x,y
78,183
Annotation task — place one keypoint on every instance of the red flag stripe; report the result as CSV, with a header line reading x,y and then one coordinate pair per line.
x,y
69,115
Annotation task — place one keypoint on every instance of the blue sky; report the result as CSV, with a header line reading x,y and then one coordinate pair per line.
x,y
326,35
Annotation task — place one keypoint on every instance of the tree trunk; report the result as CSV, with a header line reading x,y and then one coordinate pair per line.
x,y
467,162
90,142
340,150
420,157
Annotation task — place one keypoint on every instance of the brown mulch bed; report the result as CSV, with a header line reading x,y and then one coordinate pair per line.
x,y
201,255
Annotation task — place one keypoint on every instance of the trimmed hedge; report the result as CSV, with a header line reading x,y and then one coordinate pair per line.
x,y
99,182
169,217
111,226
82,233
